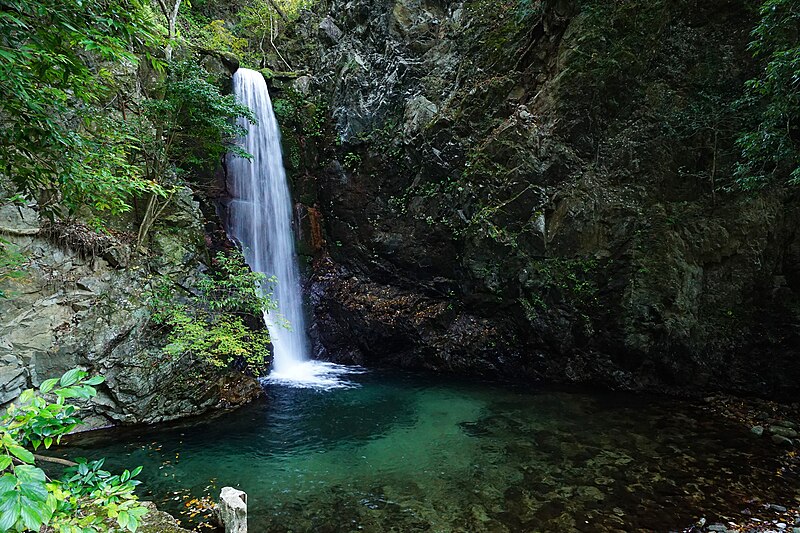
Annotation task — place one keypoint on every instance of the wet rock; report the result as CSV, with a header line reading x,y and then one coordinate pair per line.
x,y
498,182
329,30
419,111
303,85
718,527
779,439
783,431
757,430
777,508
13,380
156,521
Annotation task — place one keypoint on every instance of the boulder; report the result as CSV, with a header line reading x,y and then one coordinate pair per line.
x,y
329,31
232,510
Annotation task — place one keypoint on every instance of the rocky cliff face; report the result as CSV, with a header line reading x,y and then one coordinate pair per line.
x,y
81,300
538,189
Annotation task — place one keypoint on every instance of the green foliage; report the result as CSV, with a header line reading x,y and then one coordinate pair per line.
x,y
87,499
555,279
56,58
707,125
188,124
306,117
108,498
213,325
303,123
214,35
262,21
352,160
771,149
11,261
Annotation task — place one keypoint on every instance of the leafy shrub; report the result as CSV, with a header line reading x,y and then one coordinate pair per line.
x,y
213,325
86,499
771,149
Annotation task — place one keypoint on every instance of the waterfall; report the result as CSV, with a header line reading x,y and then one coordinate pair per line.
x,y
260,219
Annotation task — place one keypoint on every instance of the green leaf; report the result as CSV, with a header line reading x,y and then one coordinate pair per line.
x,y
122,519
5,461
10,510
30,474
22,454
47,385
26,396
34,491
8,482
34,513
95,380
71,377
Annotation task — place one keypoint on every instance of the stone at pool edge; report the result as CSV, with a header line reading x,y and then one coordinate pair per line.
x,y
232,510
778,439
757,430
156,521
783,432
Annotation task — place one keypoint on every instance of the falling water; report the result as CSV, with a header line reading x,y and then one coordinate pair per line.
x,y
260,218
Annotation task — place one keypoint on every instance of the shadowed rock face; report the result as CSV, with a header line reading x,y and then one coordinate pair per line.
x,y
537,189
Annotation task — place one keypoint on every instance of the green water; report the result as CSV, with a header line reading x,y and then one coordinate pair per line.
x,y
415,453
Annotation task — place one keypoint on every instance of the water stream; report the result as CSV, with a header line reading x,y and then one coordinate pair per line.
x,y
260,218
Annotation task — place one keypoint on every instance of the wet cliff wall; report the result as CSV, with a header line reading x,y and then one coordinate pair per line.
x,y
541,190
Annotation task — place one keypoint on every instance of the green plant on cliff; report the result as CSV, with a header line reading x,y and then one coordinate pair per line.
x,y
264,20
86,499
185,124
57,64
213,325
771,149
557,279
11,262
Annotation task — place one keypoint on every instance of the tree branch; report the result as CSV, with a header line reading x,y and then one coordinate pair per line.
x,y
278,10
56,460
20,232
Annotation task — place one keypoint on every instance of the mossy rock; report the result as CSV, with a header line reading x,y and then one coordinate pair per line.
x,y
156,521
270,74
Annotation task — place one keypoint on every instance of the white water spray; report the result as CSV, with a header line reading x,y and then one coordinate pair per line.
x,y
260,218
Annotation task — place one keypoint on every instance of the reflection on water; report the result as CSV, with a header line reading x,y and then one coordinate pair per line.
x,y
412,453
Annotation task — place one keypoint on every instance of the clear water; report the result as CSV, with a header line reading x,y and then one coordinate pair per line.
x,y
260,218
417,453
